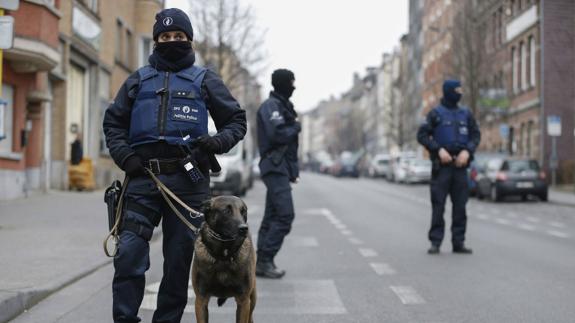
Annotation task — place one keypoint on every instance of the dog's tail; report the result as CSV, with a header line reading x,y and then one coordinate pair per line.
x,y
222,300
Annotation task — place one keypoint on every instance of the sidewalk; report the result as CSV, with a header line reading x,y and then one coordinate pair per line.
x,y
47,242
562,197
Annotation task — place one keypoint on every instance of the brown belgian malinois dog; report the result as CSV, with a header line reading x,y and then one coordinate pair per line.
x,y
224,261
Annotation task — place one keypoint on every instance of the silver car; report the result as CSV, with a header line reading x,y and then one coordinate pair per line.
x,y
417,171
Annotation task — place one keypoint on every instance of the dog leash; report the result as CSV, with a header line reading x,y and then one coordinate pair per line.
x,y
167,193
114,232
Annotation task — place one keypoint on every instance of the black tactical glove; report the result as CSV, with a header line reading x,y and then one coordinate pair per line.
x,y
134,167
210,144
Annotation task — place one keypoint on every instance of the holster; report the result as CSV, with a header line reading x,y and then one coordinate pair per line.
x,y
112,198
277,155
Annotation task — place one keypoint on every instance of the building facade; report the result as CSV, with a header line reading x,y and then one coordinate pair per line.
x,y
58,79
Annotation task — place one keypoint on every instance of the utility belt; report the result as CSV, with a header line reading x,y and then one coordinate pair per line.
x,y
276,155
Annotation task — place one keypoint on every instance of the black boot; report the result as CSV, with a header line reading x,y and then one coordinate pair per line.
x,y
267,269
433,250
462,249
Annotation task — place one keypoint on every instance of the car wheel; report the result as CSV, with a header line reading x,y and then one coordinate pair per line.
x,y
495,195
544,197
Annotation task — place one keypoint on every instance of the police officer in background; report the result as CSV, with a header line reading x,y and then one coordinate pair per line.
x,y
278,130
451,136
156,107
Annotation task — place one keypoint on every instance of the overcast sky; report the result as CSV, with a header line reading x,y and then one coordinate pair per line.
x,y
325,41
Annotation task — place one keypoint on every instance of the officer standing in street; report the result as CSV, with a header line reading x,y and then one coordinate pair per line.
x,y
278,130
158,110
451,135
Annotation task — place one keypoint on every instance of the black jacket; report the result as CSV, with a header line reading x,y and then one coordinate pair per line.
x,y
229,118
278,136
425,135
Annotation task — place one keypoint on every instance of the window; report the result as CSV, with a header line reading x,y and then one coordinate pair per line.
x,y
523,53
529,138
104,98
8,119
118,51
514,70
146,48
128,49
92,5
532,71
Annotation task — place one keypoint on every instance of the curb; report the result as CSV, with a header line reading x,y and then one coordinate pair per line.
x,y
26,298
22,300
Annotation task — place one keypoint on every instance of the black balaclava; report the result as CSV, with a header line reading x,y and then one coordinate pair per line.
x,y
172,56
282,81
450,96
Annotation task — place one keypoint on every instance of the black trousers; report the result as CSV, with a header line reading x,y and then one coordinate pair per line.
x,y
452,181
133,260
278,216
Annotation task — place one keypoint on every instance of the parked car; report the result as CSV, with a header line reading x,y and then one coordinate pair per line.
x,y
347,165
417,171
379,165
509,176
236,176
398,167
477,167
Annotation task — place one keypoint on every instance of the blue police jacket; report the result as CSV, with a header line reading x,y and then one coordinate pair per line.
x,y
154,109
453,129
278,131
168,106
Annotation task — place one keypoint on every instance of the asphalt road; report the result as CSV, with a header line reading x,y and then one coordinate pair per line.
x,y
357,253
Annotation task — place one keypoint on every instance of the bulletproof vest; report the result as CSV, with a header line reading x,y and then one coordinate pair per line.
x,y
168,106
451,129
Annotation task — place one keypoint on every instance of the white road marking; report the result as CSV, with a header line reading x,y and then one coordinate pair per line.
x,y
511,215
527,227
407,295
558,234
502,221
382,269
303,296
557,224
482,216
340,226
533,219
346,232
354,241
367,252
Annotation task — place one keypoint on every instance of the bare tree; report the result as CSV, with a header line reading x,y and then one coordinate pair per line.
x,y
468,51
228,38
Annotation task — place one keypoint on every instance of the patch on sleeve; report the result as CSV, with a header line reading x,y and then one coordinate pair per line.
x,y
276,116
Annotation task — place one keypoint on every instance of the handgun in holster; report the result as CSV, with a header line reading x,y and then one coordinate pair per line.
x,y
112,198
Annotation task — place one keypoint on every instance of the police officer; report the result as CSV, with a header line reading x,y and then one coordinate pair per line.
x,y
451,136
155,108
278,130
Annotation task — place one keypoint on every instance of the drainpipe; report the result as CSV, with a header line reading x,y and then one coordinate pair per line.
x,y
542,85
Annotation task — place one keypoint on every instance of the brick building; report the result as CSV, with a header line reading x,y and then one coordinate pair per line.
x,y
524,72
529,76
26,88
69,59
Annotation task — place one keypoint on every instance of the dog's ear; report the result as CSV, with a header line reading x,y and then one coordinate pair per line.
x,y
206,207
244,211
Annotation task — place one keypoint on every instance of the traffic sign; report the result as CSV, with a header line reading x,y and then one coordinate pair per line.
x,y
6,31
504,130
9,4
554,126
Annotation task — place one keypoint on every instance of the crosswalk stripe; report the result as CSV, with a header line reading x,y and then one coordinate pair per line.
x,y
407,295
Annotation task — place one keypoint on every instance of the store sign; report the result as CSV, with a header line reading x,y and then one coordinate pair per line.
x,y
9,4
554,126
86,28
6,32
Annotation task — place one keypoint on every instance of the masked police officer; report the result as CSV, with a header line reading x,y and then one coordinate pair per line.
x,y
451,136
278,130
145,126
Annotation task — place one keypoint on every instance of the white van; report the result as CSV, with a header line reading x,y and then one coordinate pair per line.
x,y
236,176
